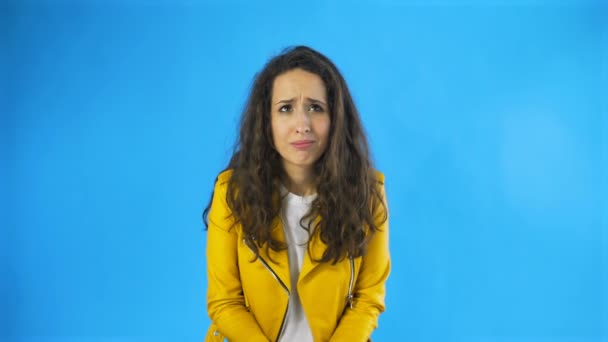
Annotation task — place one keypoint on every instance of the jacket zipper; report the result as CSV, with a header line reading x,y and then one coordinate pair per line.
x,y
276,277
349,297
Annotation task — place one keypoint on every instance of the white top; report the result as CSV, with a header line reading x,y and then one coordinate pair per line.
x,y
294,208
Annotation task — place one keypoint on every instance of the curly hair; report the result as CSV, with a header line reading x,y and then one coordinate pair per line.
x,y
349,203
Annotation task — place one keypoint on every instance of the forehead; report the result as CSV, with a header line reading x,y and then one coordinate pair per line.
x,y
298,82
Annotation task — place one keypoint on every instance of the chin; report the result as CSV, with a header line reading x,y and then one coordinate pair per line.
x,y
303,163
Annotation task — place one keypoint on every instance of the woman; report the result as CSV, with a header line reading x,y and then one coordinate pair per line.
x,y
297,246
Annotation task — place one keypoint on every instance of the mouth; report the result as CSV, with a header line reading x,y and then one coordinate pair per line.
x,y
302,144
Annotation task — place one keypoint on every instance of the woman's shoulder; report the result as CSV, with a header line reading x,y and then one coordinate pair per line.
x,y
379,176
219,212
224,176
221,182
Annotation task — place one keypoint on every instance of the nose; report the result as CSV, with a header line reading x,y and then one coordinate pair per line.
x,y
302,121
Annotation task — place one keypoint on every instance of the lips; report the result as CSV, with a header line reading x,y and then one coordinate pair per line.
x,y
302,144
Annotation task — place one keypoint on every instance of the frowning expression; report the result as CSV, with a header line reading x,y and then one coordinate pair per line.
x,y
300,118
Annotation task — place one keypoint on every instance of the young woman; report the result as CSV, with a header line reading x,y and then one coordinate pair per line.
x,y
297,246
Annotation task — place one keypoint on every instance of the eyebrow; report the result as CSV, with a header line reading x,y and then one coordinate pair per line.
x,y
310,99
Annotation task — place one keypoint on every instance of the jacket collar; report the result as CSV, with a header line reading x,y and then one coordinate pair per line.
x,y
281,258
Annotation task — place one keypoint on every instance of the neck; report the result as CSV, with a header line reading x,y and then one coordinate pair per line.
x,y
299,180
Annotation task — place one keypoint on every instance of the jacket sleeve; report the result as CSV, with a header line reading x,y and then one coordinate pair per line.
x,y
358,323
225,299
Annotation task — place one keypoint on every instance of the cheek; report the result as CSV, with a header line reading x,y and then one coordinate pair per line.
x,y
322,129
279,130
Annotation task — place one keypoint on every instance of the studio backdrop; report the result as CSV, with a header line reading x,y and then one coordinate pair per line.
x,y
488,118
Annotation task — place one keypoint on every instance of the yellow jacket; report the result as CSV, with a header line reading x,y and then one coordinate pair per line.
x,y
247,301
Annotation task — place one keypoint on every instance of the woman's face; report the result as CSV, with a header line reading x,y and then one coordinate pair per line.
x,y
299,118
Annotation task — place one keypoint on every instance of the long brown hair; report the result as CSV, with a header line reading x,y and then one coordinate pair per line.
x,y
349,202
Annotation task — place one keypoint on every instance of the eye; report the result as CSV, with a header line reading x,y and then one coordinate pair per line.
x,y
315,108
285,108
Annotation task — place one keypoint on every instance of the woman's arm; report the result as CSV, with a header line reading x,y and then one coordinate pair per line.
x,y
358,323
225,299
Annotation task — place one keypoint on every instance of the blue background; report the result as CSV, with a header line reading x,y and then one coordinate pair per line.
x,y
489,120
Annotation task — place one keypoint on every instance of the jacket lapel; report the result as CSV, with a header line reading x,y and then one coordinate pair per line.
x,y
316,250
278,260
281,258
